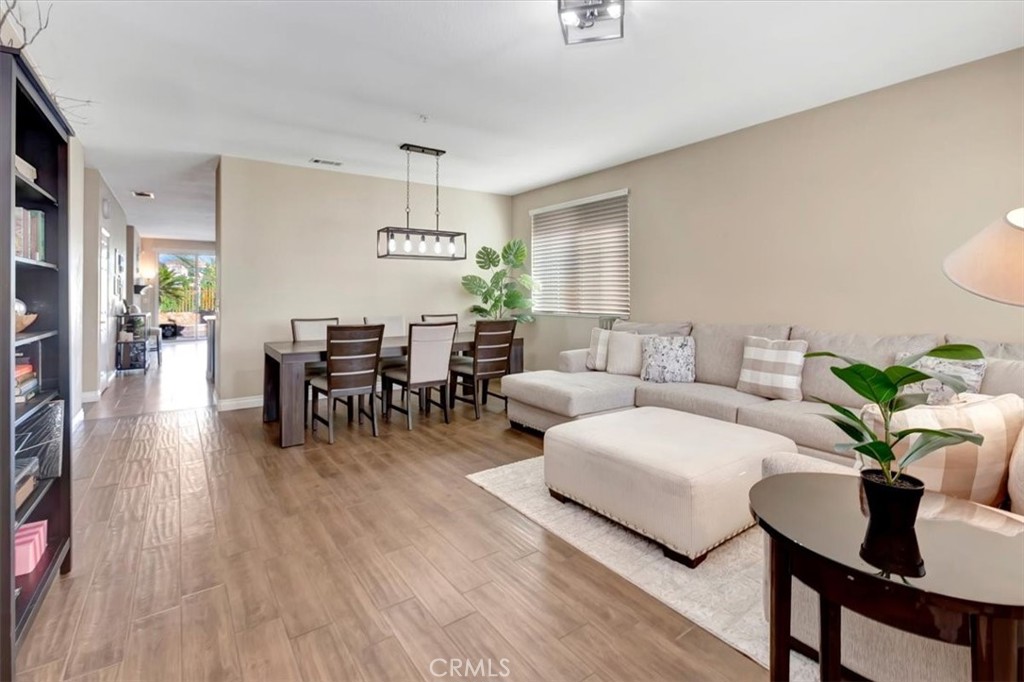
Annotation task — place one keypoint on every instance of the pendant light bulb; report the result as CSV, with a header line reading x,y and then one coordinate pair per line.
x,y
391,244
451,246
437,245
615,10
423,244
407,247
570,18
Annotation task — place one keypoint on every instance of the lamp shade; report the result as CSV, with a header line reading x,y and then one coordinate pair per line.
x,y
991,263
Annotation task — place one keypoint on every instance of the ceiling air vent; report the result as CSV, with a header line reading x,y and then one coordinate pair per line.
x,y
143,195
325,162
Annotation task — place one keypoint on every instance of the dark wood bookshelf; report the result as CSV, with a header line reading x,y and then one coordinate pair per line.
x,y
28,262
33,129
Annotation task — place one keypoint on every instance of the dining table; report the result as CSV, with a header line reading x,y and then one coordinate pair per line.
x,y
284,376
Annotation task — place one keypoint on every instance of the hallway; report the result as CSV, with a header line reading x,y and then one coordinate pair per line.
x,y
178,384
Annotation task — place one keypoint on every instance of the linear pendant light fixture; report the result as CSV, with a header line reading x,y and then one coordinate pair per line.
x,y
421,243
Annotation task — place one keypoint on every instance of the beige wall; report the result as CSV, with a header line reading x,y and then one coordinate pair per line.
x,y
99,326
296,242
76,235
838,217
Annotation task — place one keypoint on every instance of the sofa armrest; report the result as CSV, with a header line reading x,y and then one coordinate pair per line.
x,y
573,361
789,463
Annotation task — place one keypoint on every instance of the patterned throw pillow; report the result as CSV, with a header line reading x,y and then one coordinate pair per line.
x,y
967,471
772,369
668,360
970,371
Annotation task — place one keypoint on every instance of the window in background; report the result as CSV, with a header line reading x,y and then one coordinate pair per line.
x,y
580,253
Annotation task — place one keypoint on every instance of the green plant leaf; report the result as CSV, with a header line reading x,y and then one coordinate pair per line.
x,y
829,354
527,282
908,400
949,351
524,317
966,434
480,310
514,254
487,258
868,382
930,441
901,375
514,299
498,278
851,429
474,284
878,451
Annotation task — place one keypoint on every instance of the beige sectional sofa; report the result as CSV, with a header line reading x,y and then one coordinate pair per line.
x,y
540,400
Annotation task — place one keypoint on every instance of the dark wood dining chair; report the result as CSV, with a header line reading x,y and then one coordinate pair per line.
x,y
492,348
311,329
430,357
353,352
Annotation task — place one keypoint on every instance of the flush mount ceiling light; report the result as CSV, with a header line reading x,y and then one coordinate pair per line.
x,y
588,21
421,243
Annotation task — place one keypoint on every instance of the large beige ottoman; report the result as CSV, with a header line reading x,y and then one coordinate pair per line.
x,y
680,479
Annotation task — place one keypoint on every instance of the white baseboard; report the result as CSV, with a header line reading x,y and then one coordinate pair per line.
x,y
78,418
91,396
230,404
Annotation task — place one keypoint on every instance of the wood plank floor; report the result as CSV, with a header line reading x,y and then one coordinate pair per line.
x,y
204,552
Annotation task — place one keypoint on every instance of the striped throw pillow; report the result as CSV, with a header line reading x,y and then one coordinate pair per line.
x,y
967,471
772,368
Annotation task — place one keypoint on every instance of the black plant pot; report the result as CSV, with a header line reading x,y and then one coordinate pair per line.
x,y
891,508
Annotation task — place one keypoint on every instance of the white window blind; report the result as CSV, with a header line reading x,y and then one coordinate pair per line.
x,y
580,254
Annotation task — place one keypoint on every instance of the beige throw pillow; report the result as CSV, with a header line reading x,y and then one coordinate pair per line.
x,y
967,471
772,369
625,353
597,355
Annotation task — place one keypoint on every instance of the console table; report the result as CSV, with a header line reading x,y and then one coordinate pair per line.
x,y
284,371
972,584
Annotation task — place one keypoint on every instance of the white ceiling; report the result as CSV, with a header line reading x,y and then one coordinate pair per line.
x,y
176,84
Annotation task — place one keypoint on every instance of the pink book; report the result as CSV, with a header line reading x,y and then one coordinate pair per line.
x,y
29,545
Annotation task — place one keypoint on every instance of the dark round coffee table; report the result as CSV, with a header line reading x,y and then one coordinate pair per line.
x,y
972,582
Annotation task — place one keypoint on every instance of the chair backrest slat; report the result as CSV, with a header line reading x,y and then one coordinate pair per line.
x,y
353,352
440,317
311,328
394,325
492,347
430,351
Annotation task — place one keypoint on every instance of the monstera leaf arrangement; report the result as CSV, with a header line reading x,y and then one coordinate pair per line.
x,y
505,291
882,388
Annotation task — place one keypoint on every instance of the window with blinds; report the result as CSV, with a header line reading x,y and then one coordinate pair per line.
x,y
580,256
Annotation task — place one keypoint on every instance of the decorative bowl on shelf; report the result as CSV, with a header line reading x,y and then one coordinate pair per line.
x,y
23,322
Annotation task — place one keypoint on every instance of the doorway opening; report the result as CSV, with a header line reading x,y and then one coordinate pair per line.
x,y
188,290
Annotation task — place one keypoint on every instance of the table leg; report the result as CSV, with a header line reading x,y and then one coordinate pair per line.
x,y
291,399
983,656
779,599
271,387
829,640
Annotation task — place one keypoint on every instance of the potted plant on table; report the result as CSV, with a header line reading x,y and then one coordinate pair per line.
x,y
892,495
504,292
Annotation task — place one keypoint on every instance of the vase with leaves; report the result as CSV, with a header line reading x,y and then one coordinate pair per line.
x,y
504,290
892,495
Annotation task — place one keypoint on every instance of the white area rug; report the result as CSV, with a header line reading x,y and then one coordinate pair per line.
x,y
723,595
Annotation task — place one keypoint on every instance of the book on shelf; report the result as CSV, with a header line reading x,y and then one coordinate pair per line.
x,y
22,399
22,370
29,385
29,233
